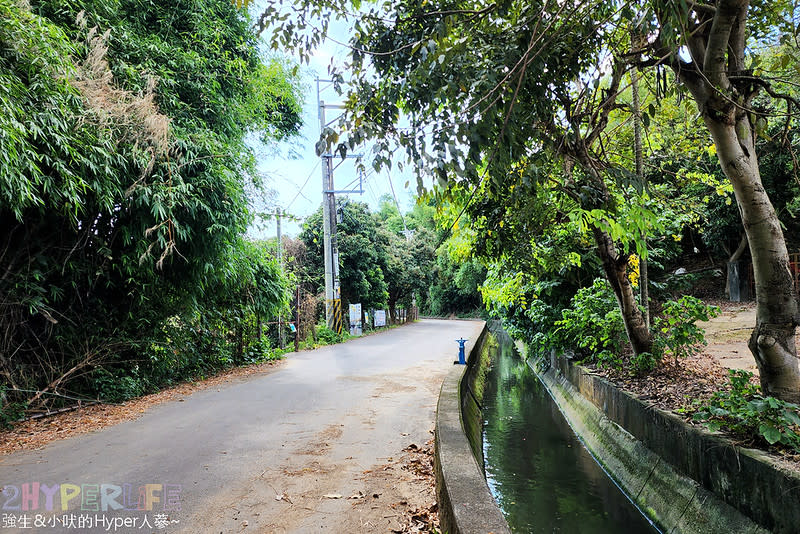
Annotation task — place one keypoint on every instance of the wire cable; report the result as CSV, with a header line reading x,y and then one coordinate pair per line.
x,y
299,191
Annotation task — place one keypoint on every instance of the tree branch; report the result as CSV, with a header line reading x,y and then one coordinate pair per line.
x,y
719,40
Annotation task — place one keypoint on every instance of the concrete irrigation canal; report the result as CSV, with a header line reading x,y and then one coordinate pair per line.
x,y
547,446
540,474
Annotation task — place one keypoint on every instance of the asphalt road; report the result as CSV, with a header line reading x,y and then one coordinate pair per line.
x,y
258,454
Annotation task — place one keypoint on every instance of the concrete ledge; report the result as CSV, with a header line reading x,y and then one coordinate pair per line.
x,y
465,504
748,480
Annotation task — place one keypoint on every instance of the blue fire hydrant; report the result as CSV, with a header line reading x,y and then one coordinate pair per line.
x,y
461,357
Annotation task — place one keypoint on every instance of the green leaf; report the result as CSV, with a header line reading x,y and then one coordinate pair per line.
x,y
792,416
770,433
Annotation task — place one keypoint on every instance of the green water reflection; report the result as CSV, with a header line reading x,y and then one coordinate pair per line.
x,y
539,472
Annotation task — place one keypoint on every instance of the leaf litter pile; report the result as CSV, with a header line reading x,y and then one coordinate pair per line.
x,y
418,512
671,387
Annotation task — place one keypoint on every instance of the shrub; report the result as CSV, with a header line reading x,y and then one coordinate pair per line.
x,y
326,336
677,331
643,363
592,325
10,411
118,385
744,411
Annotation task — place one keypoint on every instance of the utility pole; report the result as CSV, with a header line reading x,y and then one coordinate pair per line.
x,y
278,215
333,301
297,321
333,298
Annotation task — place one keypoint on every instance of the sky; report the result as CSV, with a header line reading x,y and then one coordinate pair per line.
x,y
293,170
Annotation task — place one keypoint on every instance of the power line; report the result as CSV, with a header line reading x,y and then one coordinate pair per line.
x,y
397,205
371,190
299,191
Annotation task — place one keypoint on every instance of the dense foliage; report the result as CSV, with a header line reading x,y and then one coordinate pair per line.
x,y
522,113
124,176
391,260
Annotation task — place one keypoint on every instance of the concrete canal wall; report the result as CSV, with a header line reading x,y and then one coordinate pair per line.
x,y
682,476
465,504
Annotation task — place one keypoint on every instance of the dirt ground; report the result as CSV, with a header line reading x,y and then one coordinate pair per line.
x,y
396,496
728,333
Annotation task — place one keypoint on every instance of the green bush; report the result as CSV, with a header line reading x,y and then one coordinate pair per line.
x,y
744,411
592,326
676,330
118,385
326,336
10,411
536,325
643,363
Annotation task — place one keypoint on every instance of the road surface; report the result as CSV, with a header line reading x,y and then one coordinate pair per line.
x,y
266,453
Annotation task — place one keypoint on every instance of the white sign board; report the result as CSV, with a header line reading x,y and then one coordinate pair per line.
x,y
380,318
355,319
355,313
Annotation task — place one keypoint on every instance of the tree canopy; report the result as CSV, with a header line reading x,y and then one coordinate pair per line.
x,y
124,173
517,108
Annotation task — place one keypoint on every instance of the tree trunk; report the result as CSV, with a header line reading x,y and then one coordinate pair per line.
x,y
734,257
772,341
712,70
615,268
615,265
644,295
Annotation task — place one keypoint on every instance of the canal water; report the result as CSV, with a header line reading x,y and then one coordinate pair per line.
x,y
539,472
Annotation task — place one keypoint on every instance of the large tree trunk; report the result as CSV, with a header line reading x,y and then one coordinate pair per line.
x,y
772,341
715,37
615,268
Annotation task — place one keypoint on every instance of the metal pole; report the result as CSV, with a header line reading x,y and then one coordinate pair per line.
x,y
281,342
297,322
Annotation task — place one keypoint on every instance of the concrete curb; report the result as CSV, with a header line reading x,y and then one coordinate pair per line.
x,y
465,504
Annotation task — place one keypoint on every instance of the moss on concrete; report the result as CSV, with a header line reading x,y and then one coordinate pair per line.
x,y
673,501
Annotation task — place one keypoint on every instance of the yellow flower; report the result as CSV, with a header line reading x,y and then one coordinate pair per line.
x,y
633,269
